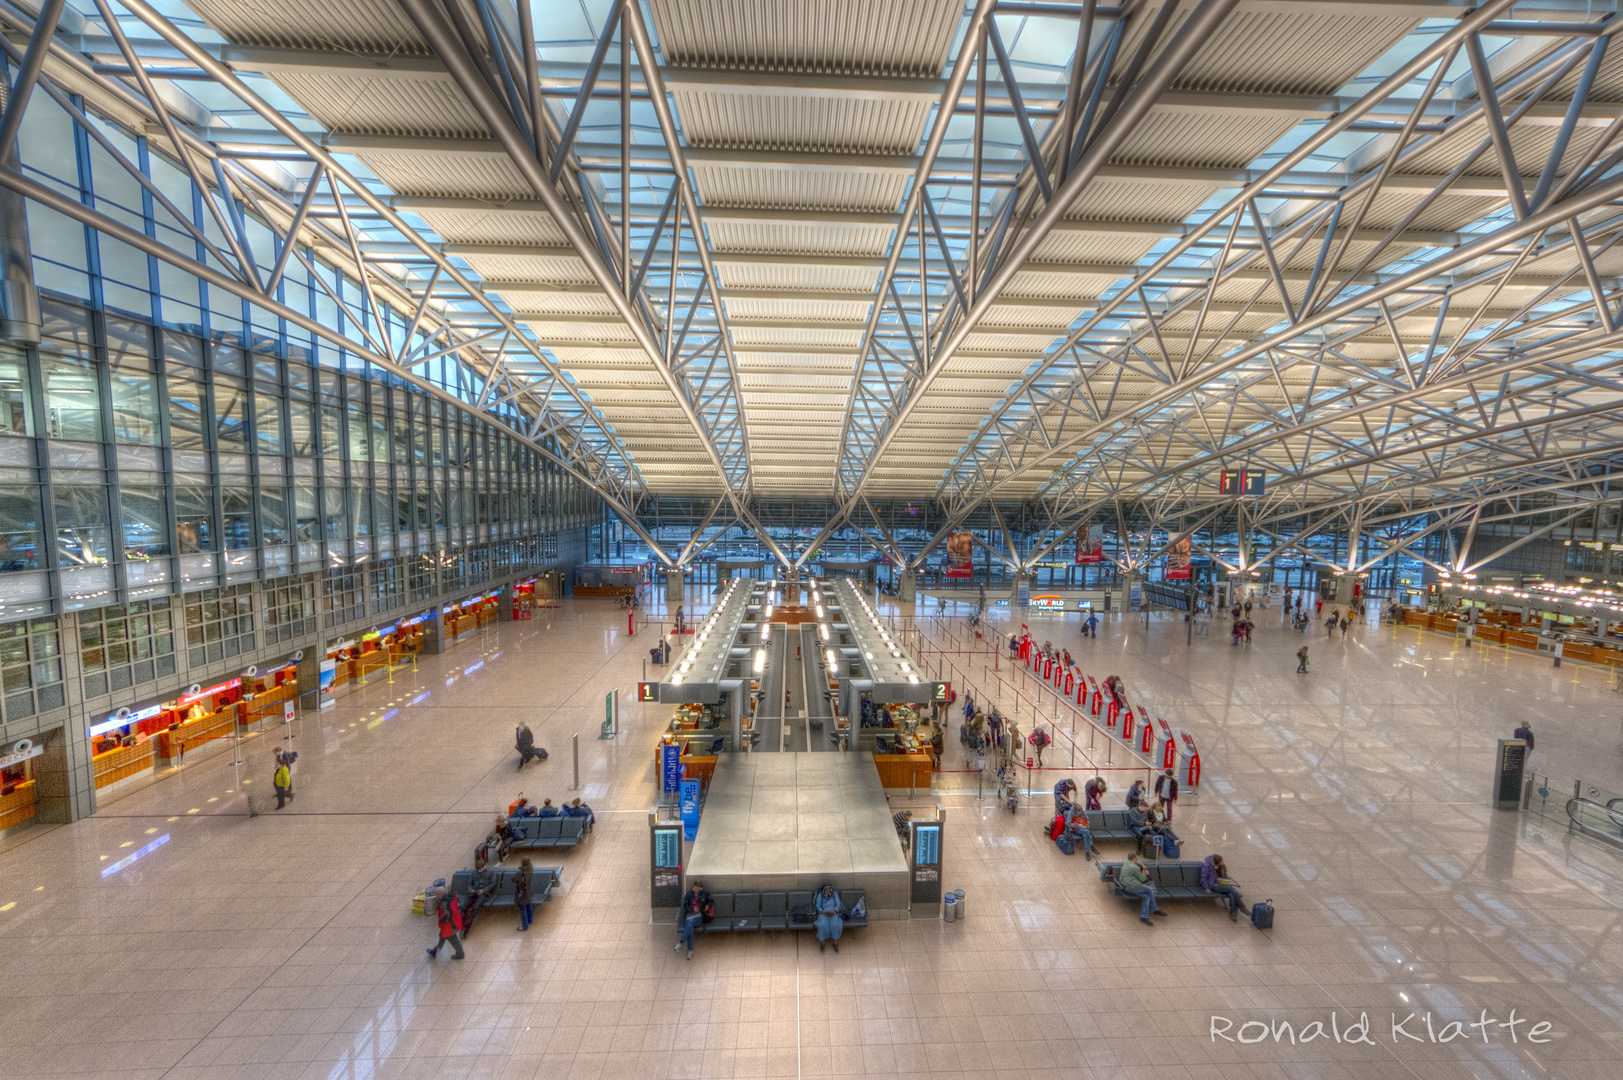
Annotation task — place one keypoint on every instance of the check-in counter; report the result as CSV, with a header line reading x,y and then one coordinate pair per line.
x,y
903,770
17,805
269,706
190,734
1487,632
700,767
123,763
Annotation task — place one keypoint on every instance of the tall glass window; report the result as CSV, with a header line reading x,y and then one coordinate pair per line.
x,y
14,407
134,386
31,667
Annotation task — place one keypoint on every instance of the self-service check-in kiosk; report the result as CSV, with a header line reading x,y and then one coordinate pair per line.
x,y
1165,754
1188,767
1146,733
1098,698
1127,724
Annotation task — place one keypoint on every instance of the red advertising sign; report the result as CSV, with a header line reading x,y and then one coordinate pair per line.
x,y
1089,545
960,559
1178,559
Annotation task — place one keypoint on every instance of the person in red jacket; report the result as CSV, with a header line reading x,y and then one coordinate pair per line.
x,y
450,917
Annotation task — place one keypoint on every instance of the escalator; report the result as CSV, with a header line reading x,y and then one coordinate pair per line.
x,y
1598,821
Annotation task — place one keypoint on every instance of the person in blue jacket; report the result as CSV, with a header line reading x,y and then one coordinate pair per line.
x,y
580,809
829,923
548,810
1064,794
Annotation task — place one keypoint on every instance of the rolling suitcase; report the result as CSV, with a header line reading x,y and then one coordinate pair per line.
x,y
1262,915
1066,844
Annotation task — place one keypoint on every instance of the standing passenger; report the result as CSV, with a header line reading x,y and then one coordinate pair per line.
x,y
282,781
523,898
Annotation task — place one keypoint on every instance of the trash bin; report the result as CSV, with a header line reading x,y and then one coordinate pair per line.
x,y
949,910
958,897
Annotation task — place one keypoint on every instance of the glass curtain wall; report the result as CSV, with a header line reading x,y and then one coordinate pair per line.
x,y
166,439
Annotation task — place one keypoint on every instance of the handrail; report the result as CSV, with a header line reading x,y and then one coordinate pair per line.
x,y
1614,817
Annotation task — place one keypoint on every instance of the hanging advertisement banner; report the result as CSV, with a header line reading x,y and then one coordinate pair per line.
x,y
1178,568
959,561
1089,545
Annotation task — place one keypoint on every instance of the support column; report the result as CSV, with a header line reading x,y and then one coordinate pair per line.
x,y
434,632
1015,584
1344,588
907,588
504,603
675,584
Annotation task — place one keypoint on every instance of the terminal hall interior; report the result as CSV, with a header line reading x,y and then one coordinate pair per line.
x,y
979,539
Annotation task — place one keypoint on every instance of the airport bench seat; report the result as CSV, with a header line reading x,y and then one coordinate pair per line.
x,y
745,911
543,881
1105,825
1172,881
535,834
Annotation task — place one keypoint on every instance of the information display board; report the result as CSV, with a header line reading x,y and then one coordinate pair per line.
x,y
665,866
925,871
1510,764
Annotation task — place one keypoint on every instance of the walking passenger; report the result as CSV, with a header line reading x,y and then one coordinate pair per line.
x,y
524,742
1301,660
449,913
282,781
1330,623
900,819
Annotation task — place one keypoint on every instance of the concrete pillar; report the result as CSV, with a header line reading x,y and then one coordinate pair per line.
x,y
434,632
675,584
504,603
1014,589
907,590
1344,588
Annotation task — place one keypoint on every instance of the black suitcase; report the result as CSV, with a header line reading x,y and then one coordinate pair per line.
x,y
1262,915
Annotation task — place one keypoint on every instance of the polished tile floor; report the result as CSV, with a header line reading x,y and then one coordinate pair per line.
x,y
173,935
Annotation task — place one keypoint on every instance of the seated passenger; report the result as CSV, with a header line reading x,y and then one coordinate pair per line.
x,y
481,891
518,804
1134,881
580,809
1076,827
548,810
1214,878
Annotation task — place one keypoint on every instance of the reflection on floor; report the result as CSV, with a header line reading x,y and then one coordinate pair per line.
x,y
174,936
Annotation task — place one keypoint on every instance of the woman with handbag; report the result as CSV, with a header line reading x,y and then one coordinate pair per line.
x,y
830,924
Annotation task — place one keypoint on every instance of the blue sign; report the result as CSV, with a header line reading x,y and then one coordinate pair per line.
x,y
671,767
690,809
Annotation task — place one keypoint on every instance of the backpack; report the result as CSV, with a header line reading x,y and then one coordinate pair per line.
x,y
1039,739
1066,844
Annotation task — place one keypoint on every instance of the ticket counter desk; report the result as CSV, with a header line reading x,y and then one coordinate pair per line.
x,y
275,695
132,758
17,804
17,789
